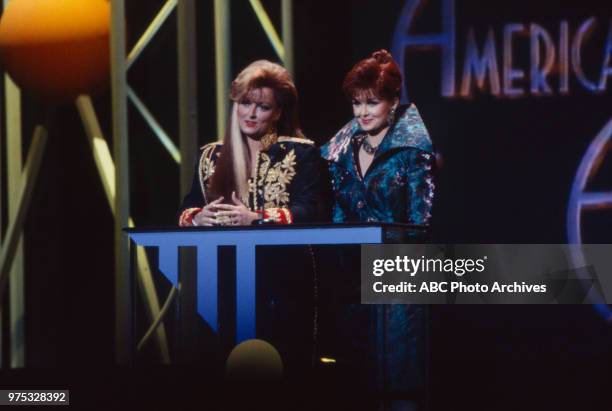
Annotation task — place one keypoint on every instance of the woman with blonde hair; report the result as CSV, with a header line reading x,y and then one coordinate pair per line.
x,y
265,170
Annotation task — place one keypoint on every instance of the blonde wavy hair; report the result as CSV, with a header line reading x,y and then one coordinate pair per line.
x,y
234,162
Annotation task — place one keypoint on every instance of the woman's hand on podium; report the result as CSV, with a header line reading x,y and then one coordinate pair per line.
x,y
207,217
236,214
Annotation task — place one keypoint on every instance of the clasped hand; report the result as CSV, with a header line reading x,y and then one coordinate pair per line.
x,y
216,213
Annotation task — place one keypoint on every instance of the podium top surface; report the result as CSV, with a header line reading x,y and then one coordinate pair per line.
x,y
296,226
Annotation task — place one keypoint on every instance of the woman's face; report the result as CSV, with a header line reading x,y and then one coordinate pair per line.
x,y
258,112
372,112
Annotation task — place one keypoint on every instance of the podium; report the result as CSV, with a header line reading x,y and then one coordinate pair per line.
x,y
246,239
203,284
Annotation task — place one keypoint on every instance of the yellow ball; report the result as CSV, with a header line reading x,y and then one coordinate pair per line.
x,y
56,48
254,359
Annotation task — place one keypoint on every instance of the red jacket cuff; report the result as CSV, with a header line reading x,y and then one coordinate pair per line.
x,y
278,215
186,218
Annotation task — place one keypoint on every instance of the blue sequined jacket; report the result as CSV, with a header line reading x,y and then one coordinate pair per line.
x,y
397,186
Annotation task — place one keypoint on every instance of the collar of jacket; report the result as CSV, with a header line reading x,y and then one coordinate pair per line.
x,y
407,131
279,146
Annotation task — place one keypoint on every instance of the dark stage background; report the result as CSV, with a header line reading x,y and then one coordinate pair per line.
x,y
506,170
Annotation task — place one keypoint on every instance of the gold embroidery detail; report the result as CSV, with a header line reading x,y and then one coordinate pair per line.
x,y
263,166
275,179
268,140
251,193
207,167
296,140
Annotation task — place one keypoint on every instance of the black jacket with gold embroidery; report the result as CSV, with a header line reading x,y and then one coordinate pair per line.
x,y
285,187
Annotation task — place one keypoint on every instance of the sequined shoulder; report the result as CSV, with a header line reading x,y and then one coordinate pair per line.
x,y
210,153
208,149
338,145
299,140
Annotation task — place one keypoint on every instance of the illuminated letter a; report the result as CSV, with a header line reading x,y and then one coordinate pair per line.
x,y
403,39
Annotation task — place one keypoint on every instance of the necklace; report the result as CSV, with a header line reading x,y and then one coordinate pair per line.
x,y
267,140
369,148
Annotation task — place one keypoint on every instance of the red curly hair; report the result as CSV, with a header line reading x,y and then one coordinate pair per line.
x,y
378,73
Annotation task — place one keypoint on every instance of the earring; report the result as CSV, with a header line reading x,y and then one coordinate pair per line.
x,y
391,116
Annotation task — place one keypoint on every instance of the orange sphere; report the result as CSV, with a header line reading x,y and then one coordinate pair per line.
x,y
56,48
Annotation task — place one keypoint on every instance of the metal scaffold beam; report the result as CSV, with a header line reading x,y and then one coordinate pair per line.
x,y
123,338
16,289
222,62
187,86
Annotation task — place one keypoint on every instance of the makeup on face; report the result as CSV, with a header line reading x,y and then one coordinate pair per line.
x,y
371,112
257,112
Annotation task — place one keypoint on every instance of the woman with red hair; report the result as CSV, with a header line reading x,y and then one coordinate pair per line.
x,y
381,169
381,161
265,170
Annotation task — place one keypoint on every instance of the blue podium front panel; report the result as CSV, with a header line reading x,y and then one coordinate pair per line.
x,y
245,239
